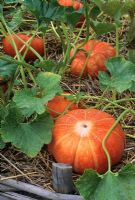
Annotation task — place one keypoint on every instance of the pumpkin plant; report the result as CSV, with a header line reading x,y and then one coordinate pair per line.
x,y
24,118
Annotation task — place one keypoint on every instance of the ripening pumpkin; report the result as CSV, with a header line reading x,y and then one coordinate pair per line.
x,y
76,5
94,56
77,138
36,43
59,104
73,3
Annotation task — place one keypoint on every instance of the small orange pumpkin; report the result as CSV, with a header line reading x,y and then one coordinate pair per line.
x,y
37,44
59,104
73,3
93,59
77,140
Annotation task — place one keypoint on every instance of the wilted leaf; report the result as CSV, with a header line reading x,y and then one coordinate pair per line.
x,y
122,75
110,186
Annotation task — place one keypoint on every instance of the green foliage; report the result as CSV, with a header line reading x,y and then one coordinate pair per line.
x,y
95,11
131,31
131,55
128,6
109,186
111,8
49,65
7,68
24,121
2,143
50,11
12,1
115,9
122,75
16,19
102,28
30,136
34,100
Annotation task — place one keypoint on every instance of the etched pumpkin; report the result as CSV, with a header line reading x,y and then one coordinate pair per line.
x,y
77,140
92,59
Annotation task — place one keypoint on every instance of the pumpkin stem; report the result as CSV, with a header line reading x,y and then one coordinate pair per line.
x,y
108,134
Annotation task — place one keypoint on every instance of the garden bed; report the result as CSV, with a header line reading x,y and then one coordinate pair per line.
x,y
30,173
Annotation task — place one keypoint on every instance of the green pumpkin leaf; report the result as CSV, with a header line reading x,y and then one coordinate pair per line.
x,y
2,143
131,55
128,6
102,28
95,11
29,137
48,65
50,11
110,186
7,67
16,20
113,8
87,183
131,31
122,75
132,89
49,83
3,112
12,1
34,100
1,9
28,101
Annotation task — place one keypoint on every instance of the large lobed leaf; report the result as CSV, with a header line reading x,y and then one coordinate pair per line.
x,y
17,19
34,100
122,75
29,137
110,186
102,28
114,8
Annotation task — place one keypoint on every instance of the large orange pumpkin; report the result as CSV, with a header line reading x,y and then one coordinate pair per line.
x,y
59,104
92,59
77,138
